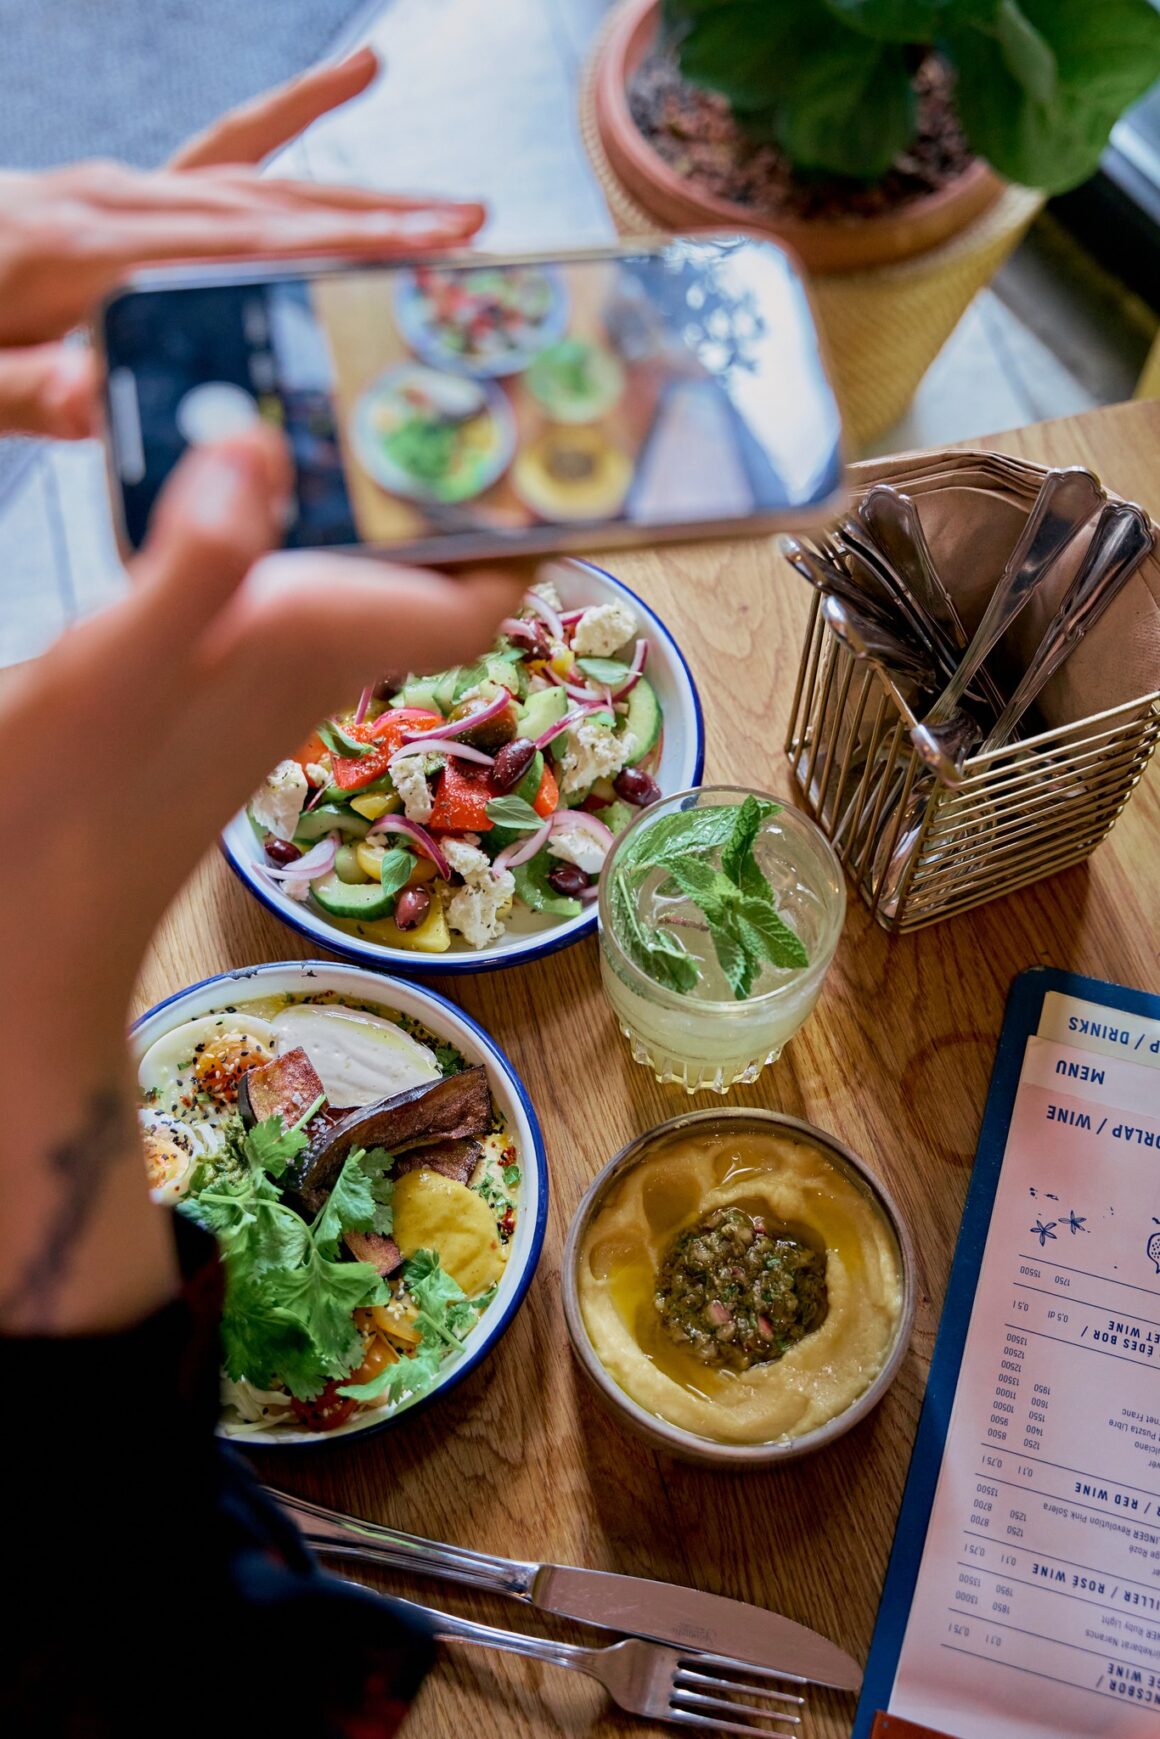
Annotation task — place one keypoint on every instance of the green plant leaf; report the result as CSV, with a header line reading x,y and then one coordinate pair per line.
x,y
340,742
780,945
1050,134
748,50
516,813
911,21
376,1165
608,672
852,110
271,1146
350,1206
395,868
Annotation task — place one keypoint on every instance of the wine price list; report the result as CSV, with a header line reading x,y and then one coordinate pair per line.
x,y
1033,1597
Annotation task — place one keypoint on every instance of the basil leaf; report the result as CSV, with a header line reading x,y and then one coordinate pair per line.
x,y
340,742
515,812
608,672
395,869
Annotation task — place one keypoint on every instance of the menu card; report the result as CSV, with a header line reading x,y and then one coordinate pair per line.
x,y
1022,1599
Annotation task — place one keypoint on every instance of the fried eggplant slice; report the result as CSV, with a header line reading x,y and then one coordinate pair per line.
x,y
454,1109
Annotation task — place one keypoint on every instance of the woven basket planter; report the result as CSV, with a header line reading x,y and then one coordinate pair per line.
x,y
884,324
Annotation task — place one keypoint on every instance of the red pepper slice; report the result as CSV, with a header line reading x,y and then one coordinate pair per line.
x,y
547,798
461,800
385,734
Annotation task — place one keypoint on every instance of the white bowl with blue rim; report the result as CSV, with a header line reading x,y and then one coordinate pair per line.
x,y
428,337
232,990
529,935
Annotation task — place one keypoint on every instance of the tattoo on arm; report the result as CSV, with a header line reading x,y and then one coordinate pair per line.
x,y
79,1166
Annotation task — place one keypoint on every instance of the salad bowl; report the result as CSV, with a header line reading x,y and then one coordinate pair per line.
x,y
304,986
527,935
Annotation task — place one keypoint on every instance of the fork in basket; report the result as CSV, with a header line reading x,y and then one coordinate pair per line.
x,y
708,1691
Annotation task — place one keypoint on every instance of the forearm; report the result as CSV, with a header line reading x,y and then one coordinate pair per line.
x,y
83,1249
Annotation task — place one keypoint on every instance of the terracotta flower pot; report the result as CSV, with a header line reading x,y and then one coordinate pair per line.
x,y
823,245
888,291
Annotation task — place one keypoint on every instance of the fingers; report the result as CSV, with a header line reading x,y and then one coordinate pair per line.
x,y
251,132
323,625
49,389
220,511
265,228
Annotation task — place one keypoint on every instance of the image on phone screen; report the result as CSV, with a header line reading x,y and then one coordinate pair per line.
x,y
492,405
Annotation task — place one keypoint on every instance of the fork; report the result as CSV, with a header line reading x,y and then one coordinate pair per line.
x,y
644,1678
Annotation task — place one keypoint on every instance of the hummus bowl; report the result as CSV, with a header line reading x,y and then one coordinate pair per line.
x,y
648,1264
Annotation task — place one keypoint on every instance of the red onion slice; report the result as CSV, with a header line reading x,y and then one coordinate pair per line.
x,y
426,842
573,689
519,851
295,879
442,746
517,629
589,893
636,670
541,608
566,723
453,727
586,822
363,707
569,618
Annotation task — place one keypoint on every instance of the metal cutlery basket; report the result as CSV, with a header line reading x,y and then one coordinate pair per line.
x,y
1019,813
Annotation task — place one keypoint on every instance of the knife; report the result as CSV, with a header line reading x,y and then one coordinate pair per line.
x,y
685,1618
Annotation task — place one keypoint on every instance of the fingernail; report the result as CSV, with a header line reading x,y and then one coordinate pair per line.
x,y
361,57
218,487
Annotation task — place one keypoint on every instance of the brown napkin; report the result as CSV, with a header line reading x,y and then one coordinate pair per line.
x,y
973,506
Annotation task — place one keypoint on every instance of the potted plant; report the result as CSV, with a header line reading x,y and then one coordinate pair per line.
x,y
891,143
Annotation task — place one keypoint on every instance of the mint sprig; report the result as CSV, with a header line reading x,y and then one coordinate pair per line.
x,y
737,902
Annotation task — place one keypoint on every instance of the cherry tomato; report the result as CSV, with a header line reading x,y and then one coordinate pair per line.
x,y
327,1411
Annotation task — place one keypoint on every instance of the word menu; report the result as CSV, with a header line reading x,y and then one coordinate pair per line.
x,y
1035,1610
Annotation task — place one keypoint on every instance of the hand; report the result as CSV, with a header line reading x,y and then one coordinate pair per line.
x,y
157,719
69,236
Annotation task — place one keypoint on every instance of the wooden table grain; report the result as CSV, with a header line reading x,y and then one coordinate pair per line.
x,y
520,1459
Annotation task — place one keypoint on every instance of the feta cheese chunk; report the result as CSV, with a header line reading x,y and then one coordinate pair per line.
x,y
477,909
603,630
410,781
592,751
466,859
277,804
575,845
545,587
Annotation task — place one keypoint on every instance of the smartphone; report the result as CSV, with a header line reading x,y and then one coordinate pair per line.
x,y
469,407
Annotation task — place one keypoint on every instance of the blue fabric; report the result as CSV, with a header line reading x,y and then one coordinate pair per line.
x,y
132,78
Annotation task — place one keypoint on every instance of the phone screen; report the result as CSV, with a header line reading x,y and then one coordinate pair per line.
x,y
446,409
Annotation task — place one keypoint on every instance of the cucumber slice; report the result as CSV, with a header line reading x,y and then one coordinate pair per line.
x,y
419,694
535,890
328,818
643,721
618,815
353,900
545,707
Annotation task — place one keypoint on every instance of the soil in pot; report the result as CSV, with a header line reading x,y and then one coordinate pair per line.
x,y
695,133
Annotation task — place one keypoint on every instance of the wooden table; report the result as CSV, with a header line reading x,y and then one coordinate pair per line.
x,y
520,1459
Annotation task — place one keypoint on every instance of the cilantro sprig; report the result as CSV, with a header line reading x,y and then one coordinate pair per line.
x,y
736,900
288,1307
445,1315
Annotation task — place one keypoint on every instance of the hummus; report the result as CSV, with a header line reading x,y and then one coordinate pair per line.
x,y
790,1184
